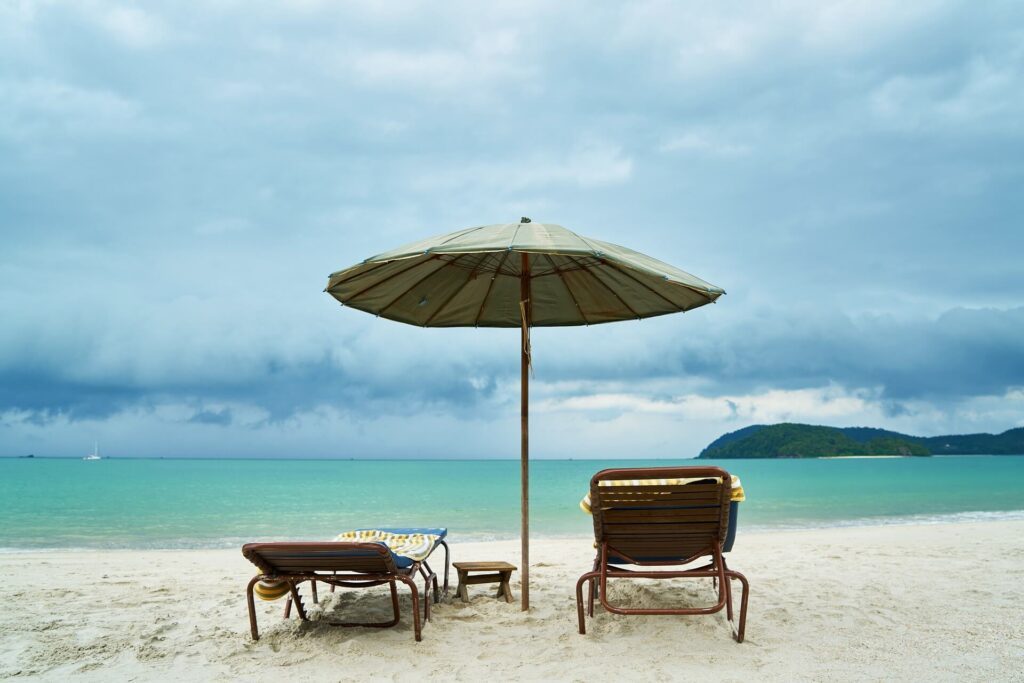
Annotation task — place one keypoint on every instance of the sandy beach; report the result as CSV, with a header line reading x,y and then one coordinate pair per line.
x,y
933,602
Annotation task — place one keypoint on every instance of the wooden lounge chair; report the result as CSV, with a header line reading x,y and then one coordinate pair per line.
x,y
352,565
639,521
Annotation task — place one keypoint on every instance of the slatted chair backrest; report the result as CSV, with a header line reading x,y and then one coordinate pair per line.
x,y
646,520
334,556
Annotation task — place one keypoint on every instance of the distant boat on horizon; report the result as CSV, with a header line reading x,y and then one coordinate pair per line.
x,y
95,455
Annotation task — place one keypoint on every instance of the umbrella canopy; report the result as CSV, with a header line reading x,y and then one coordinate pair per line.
x,y
522,275
473,277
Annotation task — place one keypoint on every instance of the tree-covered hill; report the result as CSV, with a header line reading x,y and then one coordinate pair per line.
x,y
789,440
1010,442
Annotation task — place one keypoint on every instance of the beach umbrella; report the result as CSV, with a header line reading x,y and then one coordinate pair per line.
x,y
521,275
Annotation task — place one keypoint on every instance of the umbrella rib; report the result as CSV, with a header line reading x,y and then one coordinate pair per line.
x,y
648,287
497,272
597,252
608,287
403,271
461,233
567,288
585,241
472,276
512,242
418,283
358,275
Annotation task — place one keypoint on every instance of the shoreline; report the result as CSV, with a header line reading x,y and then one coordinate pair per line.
x,y
865,457
852,603
914,520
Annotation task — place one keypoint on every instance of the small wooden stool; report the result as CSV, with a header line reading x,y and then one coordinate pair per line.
x,y
502,572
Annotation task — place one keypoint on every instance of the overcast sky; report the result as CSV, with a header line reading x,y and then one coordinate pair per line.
x,y
176,183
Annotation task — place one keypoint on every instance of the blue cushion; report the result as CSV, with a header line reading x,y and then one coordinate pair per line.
x,y
401,561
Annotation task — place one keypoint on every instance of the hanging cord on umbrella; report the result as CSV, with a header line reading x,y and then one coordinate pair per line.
x,y
526,336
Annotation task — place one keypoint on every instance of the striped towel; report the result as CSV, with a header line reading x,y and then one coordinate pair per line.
x,y
414,546
738,496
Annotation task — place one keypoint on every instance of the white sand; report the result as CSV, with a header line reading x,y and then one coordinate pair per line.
x,y
907,603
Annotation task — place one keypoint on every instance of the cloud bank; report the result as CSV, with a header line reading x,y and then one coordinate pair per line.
x,y
176,186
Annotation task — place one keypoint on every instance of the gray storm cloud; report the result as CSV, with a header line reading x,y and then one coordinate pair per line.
x,y
176,185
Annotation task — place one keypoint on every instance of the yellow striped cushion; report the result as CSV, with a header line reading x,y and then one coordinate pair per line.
x,y
414,546
738,496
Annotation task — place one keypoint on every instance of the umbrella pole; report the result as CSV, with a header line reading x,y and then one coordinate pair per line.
x,y
524,293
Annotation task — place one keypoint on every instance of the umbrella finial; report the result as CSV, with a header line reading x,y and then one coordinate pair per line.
x,y
524,219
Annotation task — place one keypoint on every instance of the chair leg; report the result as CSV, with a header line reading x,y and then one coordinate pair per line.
x,y
415,606
394,599
427,597
593,592
447,558
429,578
288,607
732,574
589,576
316,601
728,590
430,573
727,584
252,608
721,580
299,607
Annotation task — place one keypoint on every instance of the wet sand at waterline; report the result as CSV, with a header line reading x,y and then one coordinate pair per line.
x,y
901,602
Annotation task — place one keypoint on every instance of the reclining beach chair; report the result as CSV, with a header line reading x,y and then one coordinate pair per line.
x,y
348,564
435,535
644,517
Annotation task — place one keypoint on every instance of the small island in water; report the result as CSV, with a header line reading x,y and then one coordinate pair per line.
x,y
790,440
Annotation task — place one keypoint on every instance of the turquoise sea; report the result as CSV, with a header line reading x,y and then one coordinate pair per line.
x,y
129,503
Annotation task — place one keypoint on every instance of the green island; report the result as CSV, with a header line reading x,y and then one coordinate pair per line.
x,y
791,440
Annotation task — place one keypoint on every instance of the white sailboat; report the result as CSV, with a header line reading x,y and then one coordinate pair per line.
x,y
95,455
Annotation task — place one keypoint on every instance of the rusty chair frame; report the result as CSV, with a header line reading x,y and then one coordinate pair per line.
x,y
350,565
425,569
651,525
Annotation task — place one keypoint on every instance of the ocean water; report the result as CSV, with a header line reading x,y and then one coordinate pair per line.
x,y
137,503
